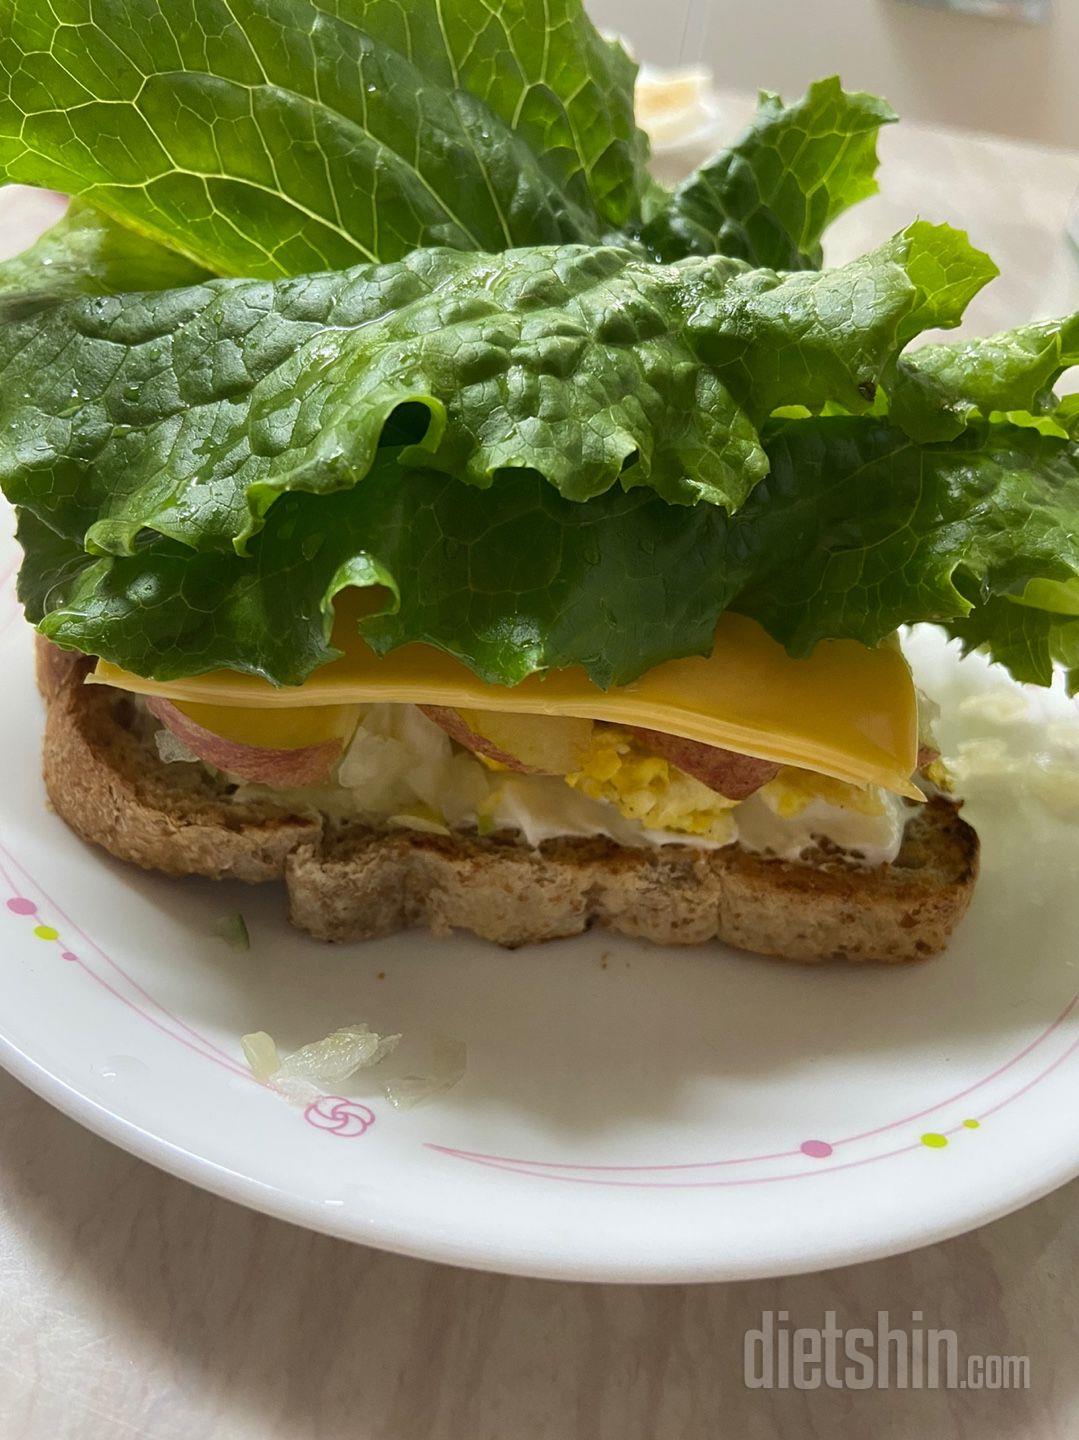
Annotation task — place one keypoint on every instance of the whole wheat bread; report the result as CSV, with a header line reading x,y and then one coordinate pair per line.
x,y
106,779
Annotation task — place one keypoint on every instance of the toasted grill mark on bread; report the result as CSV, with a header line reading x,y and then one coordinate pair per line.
x,y
105,778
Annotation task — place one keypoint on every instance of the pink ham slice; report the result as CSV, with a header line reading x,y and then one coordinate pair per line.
x,y
724,771
727,773
456,727
259,764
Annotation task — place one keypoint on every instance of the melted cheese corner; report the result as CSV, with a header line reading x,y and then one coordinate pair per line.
x,y
845,711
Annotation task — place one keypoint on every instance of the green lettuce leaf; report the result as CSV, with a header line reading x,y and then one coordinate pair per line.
x,y
53,565
532,457
86,253
856,531
511,581
1028,642
545,71
948,271
188,412
942,388
770,197
276,137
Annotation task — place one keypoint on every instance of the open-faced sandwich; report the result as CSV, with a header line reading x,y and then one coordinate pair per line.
x,y
425,508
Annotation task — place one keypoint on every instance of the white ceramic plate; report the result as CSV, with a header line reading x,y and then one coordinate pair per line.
x,y
628,1113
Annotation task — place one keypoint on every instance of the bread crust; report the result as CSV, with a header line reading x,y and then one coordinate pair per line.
x,y
350,882
114,790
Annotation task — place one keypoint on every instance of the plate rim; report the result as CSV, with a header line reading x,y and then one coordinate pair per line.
x,y
234,1185
421,1238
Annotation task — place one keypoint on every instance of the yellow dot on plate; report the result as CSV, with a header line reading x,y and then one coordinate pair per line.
x,y
46,932
972,1124
934,1141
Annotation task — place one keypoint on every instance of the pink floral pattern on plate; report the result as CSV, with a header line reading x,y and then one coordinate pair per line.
x,y
339,1116
332,1113
349,1119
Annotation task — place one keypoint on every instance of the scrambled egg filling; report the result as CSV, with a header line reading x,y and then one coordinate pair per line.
x,y
649,790
793,791
402,769
643,787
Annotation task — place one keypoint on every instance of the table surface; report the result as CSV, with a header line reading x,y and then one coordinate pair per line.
x,y
132,1304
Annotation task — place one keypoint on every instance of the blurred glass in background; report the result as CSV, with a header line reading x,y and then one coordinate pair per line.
x,y
1032,11
941,61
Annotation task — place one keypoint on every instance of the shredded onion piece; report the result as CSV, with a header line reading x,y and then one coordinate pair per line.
x,y
261,1055
319,1066
449,1061
425,824
339,1056
233,930
172,749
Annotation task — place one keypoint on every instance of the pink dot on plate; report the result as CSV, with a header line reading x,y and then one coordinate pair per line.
x,y
68,955
816,1149
21,906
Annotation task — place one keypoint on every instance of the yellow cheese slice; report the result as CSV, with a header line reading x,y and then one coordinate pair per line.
x,y
294,729
845,711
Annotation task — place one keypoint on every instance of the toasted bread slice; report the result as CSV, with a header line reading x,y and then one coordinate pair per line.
x,y
351,882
